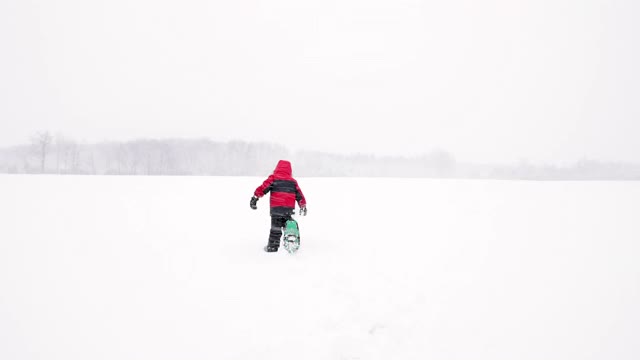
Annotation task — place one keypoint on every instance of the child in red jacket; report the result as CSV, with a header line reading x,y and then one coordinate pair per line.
x,y
285,192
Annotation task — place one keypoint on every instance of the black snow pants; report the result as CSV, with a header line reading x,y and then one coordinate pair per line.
x,y
277,223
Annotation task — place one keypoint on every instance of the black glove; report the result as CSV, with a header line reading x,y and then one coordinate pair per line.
x,y
303,210
254,202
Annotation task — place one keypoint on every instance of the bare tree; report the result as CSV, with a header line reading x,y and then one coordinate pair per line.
x,y
41,142
67,156
61,147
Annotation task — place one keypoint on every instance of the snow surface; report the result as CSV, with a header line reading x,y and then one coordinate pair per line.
x,y
102,267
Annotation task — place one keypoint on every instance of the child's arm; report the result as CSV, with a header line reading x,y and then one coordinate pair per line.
x,y
263,189
302,202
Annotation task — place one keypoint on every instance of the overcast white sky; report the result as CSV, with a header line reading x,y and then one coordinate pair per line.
x,y
494,80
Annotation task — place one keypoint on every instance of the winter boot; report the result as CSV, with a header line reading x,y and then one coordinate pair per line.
x,y
268,248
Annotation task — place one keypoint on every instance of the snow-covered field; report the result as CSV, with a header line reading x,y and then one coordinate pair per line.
x,y
173,268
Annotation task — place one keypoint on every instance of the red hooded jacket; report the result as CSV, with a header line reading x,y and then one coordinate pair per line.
x,y
284,190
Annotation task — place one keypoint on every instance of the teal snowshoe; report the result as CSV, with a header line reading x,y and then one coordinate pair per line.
x,y
291,236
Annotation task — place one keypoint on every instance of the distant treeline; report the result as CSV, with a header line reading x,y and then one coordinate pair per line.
x,y
61,155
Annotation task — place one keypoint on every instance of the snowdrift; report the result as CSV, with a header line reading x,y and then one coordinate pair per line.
x,y
101,267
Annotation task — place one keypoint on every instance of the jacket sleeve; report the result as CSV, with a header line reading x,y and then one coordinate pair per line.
x,y
263,189
300,196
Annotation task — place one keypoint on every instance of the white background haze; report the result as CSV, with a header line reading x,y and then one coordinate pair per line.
x,y
491,81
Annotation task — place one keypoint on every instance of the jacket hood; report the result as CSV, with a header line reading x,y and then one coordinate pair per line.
x,y
283,169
